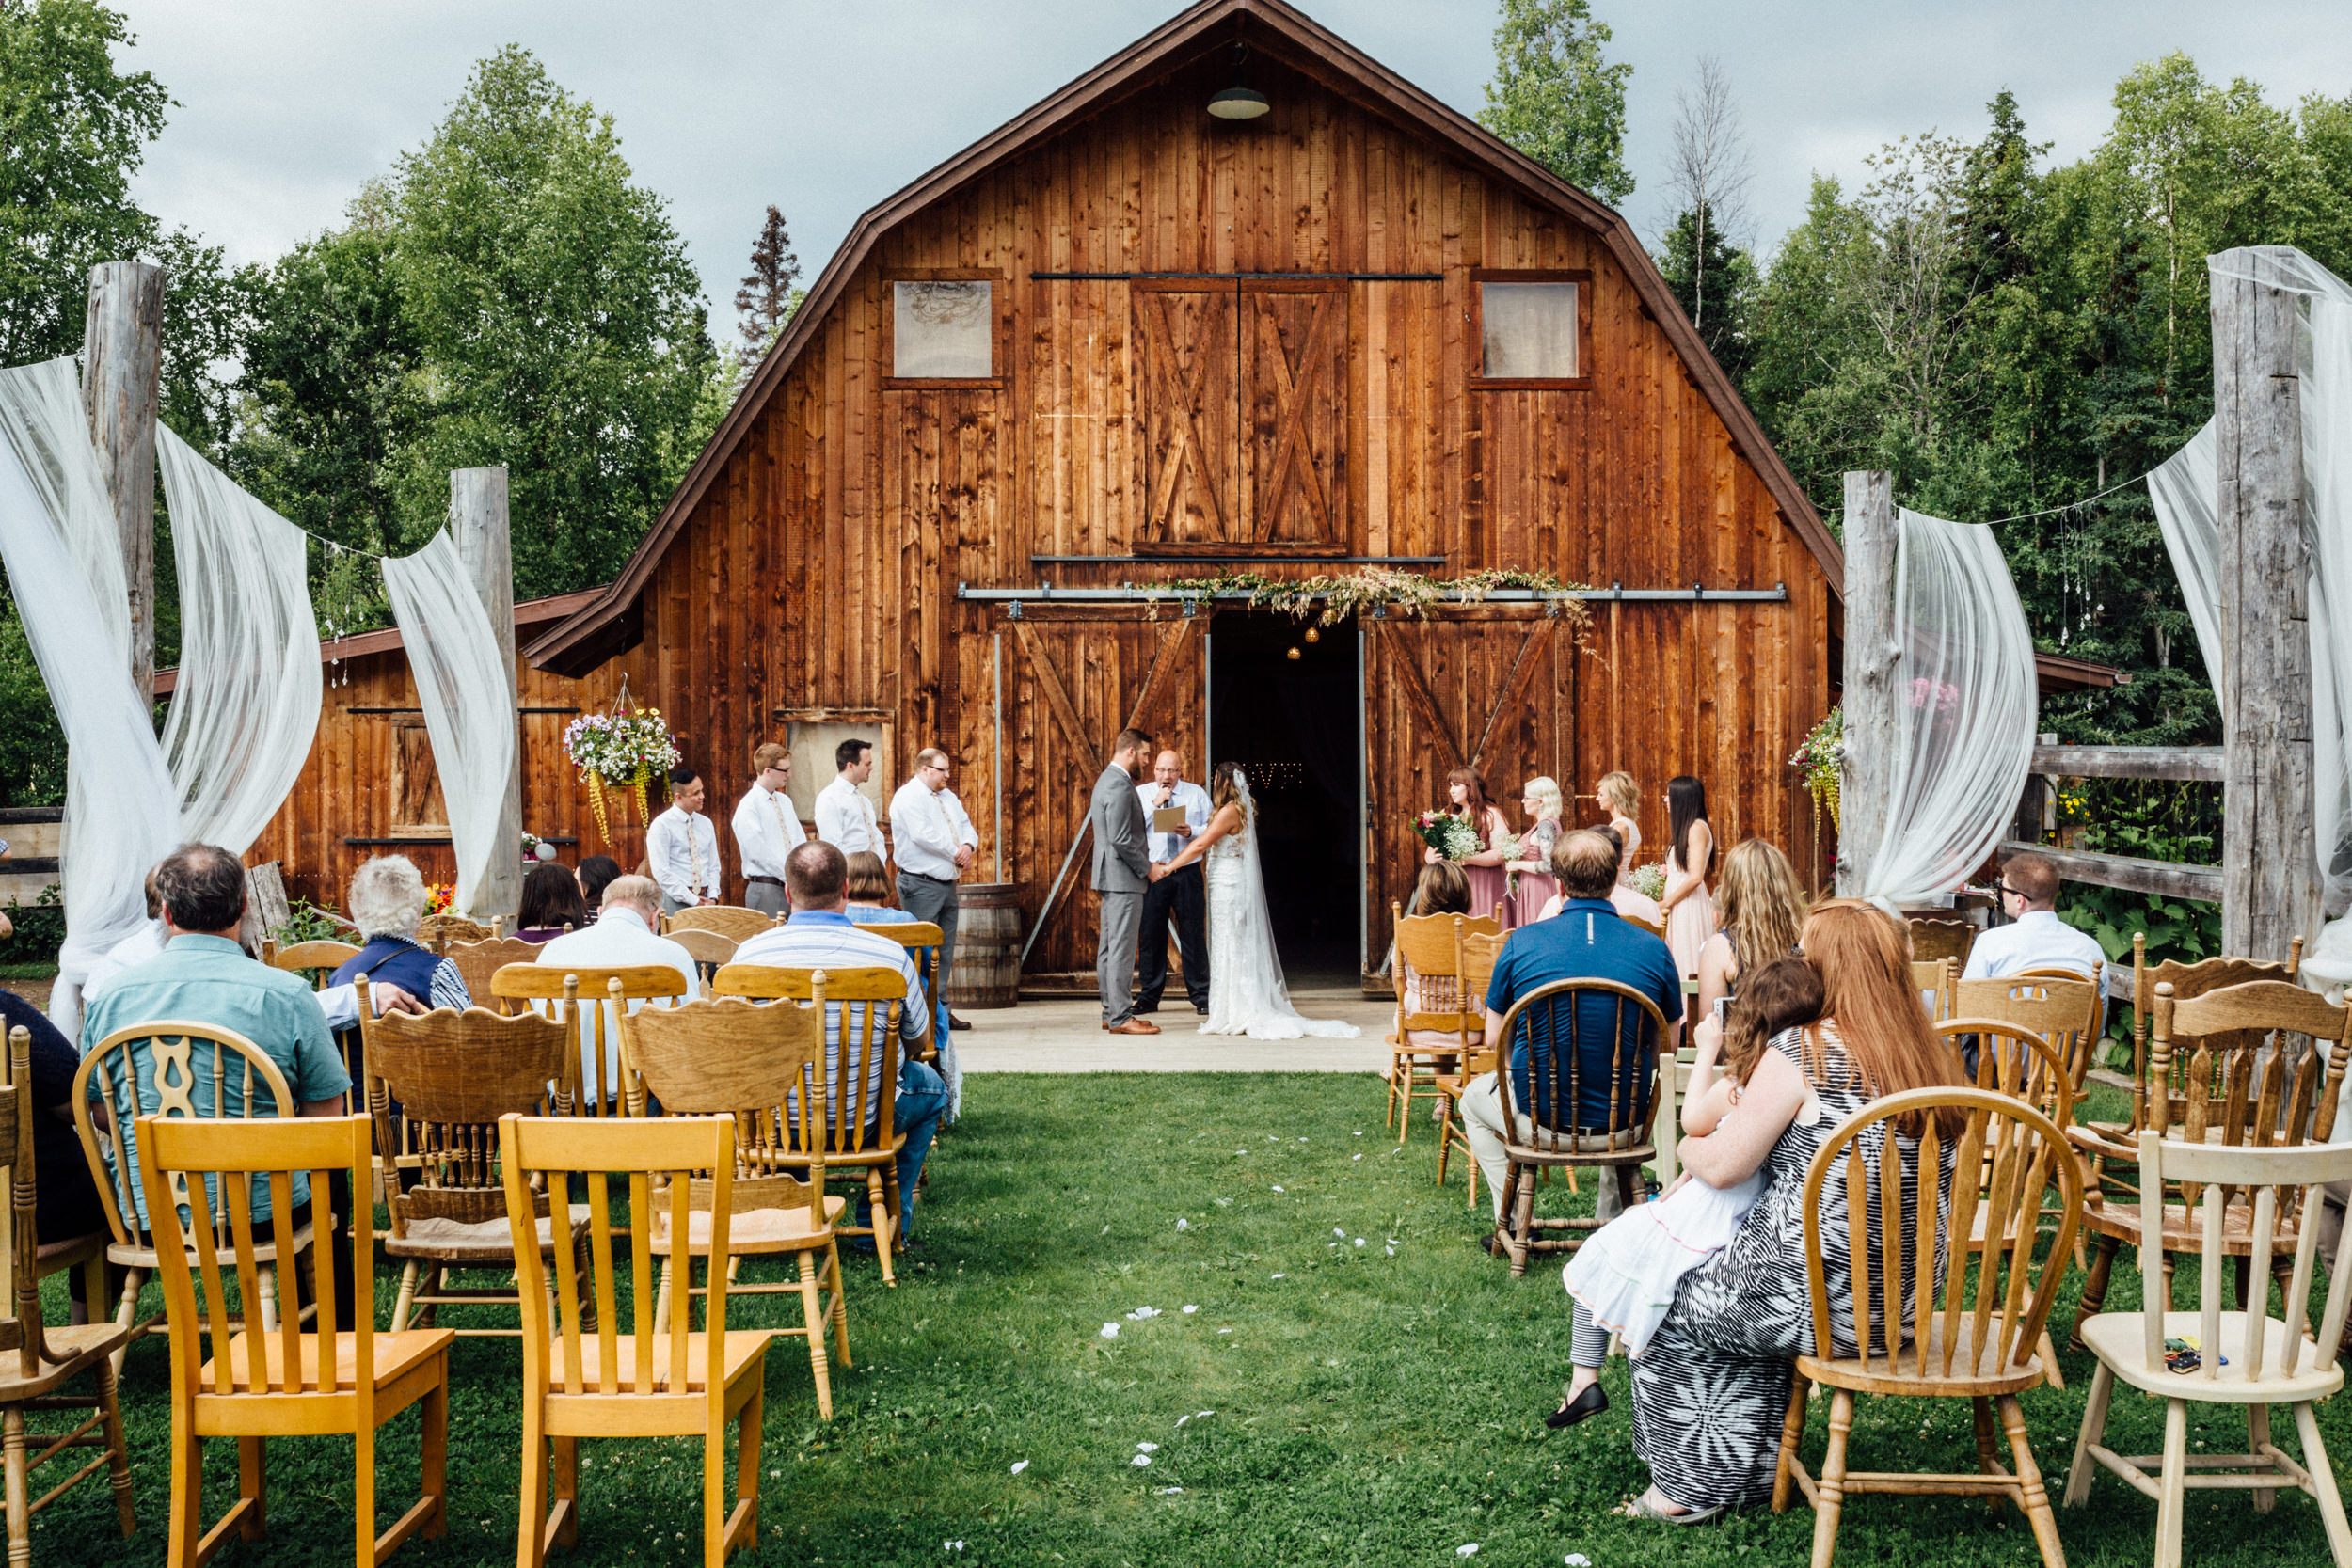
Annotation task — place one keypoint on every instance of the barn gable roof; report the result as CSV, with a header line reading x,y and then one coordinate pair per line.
x,y
600,628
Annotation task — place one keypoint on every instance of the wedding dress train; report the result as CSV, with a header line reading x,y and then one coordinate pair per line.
x,y
1246,994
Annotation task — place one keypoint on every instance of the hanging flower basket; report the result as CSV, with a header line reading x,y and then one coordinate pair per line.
x,y
1819,757
623,749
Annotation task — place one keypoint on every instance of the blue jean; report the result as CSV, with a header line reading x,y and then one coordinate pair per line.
x,y
922,1099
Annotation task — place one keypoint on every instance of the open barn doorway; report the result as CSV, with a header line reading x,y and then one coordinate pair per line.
x,y
1290,711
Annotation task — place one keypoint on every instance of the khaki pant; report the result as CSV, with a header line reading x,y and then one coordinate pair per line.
x,y
1482,1119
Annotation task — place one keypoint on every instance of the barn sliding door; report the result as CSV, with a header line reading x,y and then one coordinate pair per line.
x,y
1243,388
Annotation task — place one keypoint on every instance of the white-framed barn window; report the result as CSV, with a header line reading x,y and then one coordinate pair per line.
x,y
1534,328
942,329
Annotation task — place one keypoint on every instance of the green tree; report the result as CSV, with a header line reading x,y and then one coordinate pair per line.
x,y
1555,97
1712,280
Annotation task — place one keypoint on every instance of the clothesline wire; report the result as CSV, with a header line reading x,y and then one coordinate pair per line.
x,y
2069,506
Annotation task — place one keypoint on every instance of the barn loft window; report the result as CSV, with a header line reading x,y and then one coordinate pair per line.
x,y
1532,329
418,809
942,329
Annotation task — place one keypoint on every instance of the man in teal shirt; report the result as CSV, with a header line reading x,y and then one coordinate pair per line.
x,y
203,976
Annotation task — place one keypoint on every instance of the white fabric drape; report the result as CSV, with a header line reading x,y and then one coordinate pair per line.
x,y
246,711
58,539
1966,694
462,685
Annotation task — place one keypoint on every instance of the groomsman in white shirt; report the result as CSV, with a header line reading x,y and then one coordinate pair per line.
x,y
682,848
932,840
1180,894
845,817
767,826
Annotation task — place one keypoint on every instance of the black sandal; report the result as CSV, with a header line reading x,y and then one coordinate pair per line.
x,y
1588,1403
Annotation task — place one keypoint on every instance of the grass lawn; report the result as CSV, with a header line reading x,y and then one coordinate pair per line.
x,y
1373,1403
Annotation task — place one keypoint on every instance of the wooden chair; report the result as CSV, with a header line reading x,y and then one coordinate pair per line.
x,y
596,998
1474,968
324,957
2060,1006
862,1079
1653,928
189,1070
1932,939
478,962
2248,1082
1932,978
1551,1130
279,1383
1925,1322
1427,949
46,1359
452,1075
758,1063
593,1379
2247,1357
732,921
712,951
437,931
922,940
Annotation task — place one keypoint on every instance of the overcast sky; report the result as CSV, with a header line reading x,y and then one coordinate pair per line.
x,y
286,107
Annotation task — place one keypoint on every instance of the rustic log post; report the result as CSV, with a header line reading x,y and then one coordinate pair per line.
x,y
123,354
1867,768
477,516
2269,867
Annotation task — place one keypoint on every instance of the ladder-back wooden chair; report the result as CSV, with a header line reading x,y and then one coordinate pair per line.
x,y
1655,929
1474,967
598,998
2060,1006
1932,939
922,940
1431,1002
732,921
281,1382
759,1063
862,1143
2251,1065
1932,978
436,1087
193,1071
322,957
1922,1322
38,1361
2247,1357
599,1379
1554,1128
479,961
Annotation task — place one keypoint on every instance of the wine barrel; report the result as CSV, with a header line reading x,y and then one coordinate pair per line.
x,y
987,972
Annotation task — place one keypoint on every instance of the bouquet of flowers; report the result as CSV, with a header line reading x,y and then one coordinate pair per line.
x,y
1650,880
625,749
1449,837
438,896
1818,756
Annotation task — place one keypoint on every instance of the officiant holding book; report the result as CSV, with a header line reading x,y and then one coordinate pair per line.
x,y
1175,812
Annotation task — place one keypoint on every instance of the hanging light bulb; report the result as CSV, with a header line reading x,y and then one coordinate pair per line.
x,y
1293,653
1313,636
1238,102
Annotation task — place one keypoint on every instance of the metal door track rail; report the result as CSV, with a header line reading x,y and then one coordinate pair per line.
x,y
1045,592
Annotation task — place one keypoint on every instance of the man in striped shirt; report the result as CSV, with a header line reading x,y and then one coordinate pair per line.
x,y
820,936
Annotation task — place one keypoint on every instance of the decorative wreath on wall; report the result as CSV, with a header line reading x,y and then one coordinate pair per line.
x,y
623,748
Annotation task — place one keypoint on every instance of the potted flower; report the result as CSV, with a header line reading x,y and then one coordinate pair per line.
x,y
622,749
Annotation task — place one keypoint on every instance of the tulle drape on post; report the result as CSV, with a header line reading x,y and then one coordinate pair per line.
x,y
245,710
1966,689
59,540
461,687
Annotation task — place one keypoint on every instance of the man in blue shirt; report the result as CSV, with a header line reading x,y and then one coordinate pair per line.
x,y
1586,941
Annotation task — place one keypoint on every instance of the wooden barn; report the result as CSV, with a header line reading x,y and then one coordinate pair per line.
x,y
1122,345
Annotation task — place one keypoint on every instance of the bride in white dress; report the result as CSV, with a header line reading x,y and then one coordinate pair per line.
x,y
1246,995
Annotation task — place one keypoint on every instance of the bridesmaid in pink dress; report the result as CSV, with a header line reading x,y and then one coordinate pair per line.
x,y
1622,798
1690,860
1490,884
1540,800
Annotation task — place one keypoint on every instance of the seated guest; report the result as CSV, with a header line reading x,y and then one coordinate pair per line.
x,y
552,904
2035,937
1445,889
820,935
135,948
1762,905
387,902
1586,941
65,1199
597,872
1625,898
868,886
622,936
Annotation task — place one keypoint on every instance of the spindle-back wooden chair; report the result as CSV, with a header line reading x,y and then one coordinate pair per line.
x,y
45,1359
479,961
2059,1005
2247,1357
438,931
322,957
1474,967
1932,978
436,1087
862,1143
1553,1129
597,997
734,922
712,950
1923,1321
759,1063
922,940
281,1382
599,1379
1427,949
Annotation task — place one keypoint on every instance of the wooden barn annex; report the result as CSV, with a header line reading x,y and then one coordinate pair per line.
x,y
1122,343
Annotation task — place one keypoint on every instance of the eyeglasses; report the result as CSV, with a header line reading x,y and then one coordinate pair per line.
x,y
2017,892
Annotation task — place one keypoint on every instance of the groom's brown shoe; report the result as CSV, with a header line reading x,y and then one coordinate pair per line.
x,y
1134,1026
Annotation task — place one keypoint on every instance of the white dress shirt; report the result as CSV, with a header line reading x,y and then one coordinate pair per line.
x,y
2034,940
767,827
926,830
1194,800
133,950
619,938
683,848
845,817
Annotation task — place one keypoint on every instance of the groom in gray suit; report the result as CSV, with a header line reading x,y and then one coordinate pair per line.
x,y
1122,869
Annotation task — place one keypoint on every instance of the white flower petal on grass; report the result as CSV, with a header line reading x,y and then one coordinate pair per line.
x,y
1019,1465
1281,1277
1183,1224
1225,1331
1578,1560
1168,1491
1110,1331
1141,1461
1341,1234
1468,1548
1359,1241
1355,1156
1359,1135
1142,1312
1147,1448
1277,1189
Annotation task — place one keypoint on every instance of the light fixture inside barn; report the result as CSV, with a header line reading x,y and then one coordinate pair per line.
x,y
1238,102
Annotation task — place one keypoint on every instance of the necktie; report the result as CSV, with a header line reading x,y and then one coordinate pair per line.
x,y
694,856
784,835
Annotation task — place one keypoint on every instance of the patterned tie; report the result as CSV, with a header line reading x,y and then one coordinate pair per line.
x,y
695,857
784,834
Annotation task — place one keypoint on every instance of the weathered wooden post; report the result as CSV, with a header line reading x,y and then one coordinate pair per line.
x,y
122,355
1866,771
477,515
2269,867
